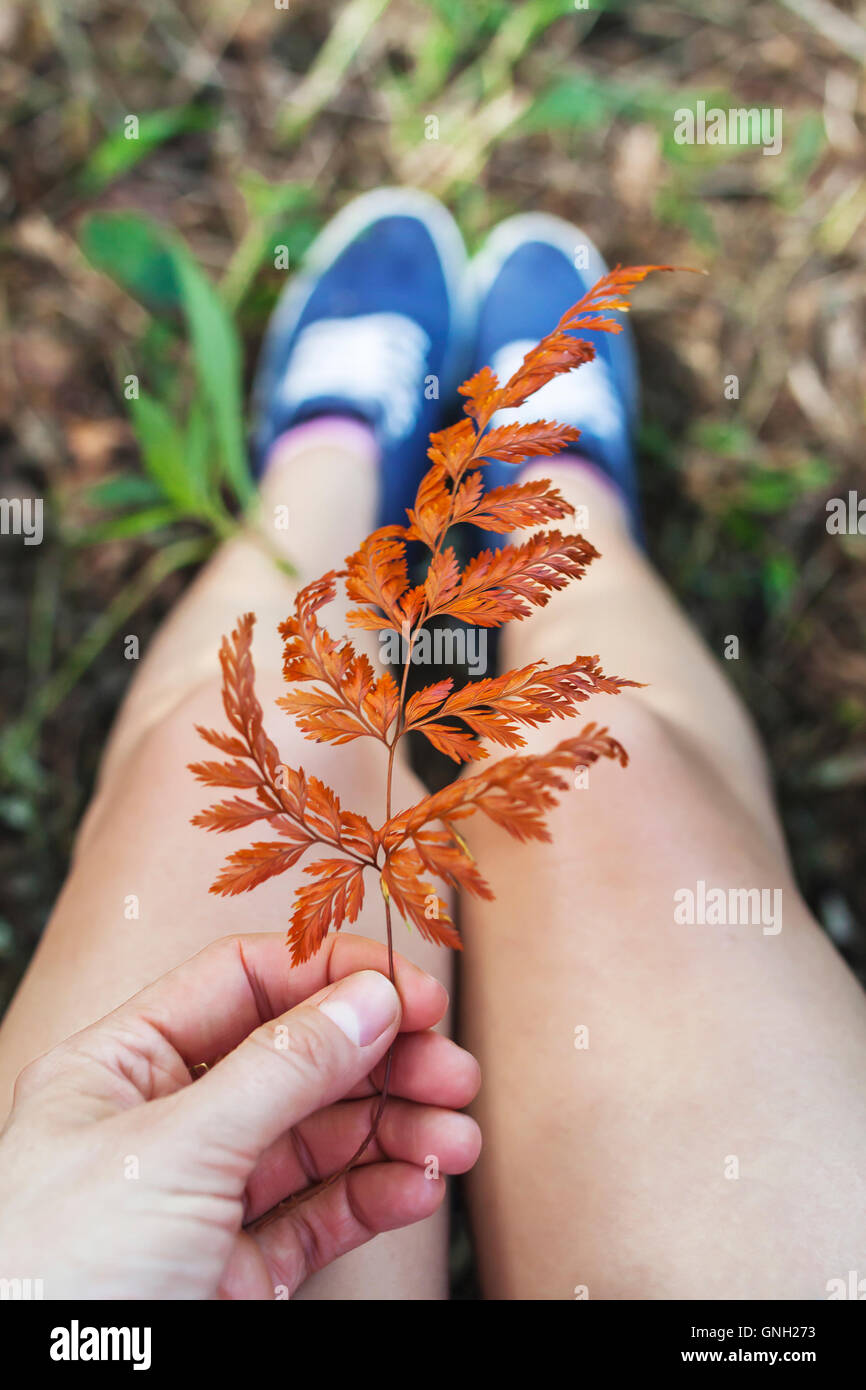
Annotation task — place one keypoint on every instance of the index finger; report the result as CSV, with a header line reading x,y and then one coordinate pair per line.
x,y
208,1005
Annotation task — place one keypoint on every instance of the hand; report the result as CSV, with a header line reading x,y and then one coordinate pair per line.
x,y
123,1178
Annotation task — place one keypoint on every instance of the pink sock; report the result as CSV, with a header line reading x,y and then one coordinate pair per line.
x,y
577,460
343,431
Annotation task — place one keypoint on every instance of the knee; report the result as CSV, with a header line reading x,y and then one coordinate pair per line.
x,y
166,746
653,743
657,746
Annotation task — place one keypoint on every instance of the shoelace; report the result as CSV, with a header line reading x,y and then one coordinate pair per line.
x,y
374,359
585,397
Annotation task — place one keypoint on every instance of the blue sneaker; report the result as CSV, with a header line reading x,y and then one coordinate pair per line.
x,y
371,328
530,270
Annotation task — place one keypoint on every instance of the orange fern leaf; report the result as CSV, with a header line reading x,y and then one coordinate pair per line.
x,y
509,508
514,792
496,707
500,585
466,496
442,581
302,810
609,292
357,835
415,900
381,705
482,392
555,354
457,744
424,701
429,518
240,703
516,443
442,855
232,814
247,868
453,449
377,574
535,693
323,717
354,702
335,897
234,774
558,351
235,747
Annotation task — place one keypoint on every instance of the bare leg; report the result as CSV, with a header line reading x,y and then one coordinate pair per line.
x,y
138,852
703,1137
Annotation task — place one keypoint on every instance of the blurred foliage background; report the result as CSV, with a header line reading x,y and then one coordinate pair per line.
x,y
154,257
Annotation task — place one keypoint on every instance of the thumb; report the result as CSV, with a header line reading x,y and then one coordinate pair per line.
x,y
289,1068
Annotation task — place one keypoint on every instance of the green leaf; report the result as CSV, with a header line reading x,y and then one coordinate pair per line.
x,y
683,210
578,102
124,527
809,144
729,438
217,354
265,199
134,252
779,579
123,490
202,465
163,453
121,151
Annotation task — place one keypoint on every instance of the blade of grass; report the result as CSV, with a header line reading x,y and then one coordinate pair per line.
x,y
122,490
266,205
163,452
135,252
119,152
217,355
354,22
131,524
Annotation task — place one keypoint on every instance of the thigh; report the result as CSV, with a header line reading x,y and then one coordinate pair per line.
x,y
136,900
671,1108
136,903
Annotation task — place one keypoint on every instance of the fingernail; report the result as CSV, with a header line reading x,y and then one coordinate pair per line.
x,y
362,1006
